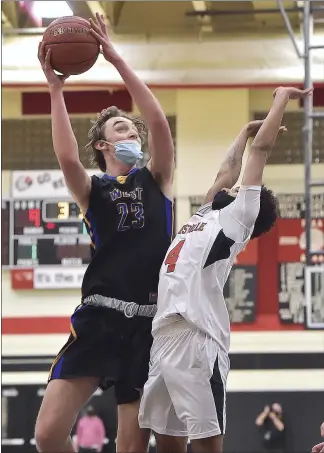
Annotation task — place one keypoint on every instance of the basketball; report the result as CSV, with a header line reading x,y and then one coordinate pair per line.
x,y
73,48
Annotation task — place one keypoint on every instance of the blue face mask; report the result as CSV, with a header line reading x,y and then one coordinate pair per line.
x,y
129,152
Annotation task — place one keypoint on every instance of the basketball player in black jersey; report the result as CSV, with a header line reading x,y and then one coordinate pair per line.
x,y
128,213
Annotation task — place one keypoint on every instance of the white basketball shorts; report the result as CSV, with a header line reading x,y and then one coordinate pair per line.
x,y
186,389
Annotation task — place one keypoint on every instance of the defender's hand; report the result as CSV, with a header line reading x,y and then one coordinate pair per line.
x,y
293,93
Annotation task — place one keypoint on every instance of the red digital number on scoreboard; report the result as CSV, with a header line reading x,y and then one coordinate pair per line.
x,y
34,216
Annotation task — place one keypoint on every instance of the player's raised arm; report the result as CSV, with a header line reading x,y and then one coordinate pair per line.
x,y
162,150
64,142
230,169
255,209
264,141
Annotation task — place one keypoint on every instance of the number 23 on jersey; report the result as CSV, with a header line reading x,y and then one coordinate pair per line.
x,y
135,211
173,256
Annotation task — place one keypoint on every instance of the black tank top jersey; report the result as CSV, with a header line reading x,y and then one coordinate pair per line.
x,y
130,222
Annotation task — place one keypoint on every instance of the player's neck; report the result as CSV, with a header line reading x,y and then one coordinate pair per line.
x,y
117,168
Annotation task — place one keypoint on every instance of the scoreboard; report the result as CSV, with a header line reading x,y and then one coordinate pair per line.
x,y
49,232
43,232
41,225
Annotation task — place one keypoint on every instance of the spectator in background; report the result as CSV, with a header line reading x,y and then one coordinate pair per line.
x,y
272,427
90,432
319,448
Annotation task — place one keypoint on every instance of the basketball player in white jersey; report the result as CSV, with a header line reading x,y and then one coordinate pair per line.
x,y
186,390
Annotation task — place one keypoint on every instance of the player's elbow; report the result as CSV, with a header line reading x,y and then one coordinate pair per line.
x,y
69,165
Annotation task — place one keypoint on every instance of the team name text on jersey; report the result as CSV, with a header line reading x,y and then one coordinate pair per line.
x,y
135,194
191,228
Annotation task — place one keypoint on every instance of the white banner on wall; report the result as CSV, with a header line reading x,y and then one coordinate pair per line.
x,y
31,184
58,277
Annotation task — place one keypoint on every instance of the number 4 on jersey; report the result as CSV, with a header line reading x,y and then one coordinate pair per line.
x,y
173,255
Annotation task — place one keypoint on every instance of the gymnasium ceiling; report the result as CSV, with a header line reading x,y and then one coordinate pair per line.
x,y
173,17
168,43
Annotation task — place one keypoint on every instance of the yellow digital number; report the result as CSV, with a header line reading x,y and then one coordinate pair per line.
x,y
64,210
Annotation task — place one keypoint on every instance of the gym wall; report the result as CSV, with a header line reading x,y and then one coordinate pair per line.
x,y
207,121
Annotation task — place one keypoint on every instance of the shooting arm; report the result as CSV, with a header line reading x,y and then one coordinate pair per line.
x,y
230,169
162,148
67,153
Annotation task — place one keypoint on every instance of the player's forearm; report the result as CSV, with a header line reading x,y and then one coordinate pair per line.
x,y
232,163
230,168
64,142
278,424
260,419
146,102
266,137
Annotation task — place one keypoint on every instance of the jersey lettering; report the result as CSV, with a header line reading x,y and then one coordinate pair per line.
x,y
191,228
122,209
136,211
135,194
173,256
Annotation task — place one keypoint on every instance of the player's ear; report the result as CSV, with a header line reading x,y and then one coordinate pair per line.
x,y
101,145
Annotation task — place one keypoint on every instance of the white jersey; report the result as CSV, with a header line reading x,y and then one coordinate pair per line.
x,y
198,263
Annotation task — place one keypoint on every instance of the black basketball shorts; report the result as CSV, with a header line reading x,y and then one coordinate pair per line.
x,y
104,343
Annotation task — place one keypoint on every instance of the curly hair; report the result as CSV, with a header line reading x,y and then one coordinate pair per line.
x,y
269,212
96,133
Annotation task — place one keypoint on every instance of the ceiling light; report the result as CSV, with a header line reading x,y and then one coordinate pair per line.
x,y
51,9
